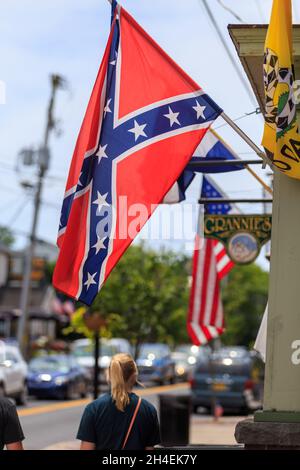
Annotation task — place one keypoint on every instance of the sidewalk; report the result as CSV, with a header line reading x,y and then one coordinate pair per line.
x,y
204,430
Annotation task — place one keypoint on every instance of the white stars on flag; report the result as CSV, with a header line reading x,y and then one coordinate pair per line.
x,y
79,182
113,62
99,245
199,110
101,153
138,130
173,117
101,200
90,280
107,108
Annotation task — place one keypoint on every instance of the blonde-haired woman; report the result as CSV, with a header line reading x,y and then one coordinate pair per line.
x,y
119,419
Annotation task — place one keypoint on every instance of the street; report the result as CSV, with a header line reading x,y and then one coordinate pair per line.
x,y
53,424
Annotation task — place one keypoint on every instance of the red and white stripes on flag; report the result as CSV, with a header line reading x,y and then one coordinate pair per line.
x,y
206,316
224,263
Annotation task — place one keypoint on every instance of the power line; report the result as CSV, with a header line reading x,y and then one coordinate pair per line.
x,y
256,111
12,168
8,205
10,189
232,12
228,51
246,153
5,166
57,179
44,202
18,212
51,204
260,12
24,234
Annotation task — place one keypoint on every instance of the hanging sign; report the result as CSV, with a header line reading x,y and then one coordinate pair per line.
x,y
242,235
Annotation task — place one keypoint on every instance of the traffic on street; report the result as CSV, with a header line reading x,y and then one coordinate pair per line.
x,y
60,420
52,390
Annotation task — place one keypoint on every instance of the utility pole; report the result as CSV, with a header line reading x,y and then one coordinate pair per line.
x,y
43,162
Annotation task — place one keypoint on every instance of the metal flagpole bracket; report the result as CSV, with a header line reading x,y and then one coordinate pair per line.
x,y
247,139
208,163
203,200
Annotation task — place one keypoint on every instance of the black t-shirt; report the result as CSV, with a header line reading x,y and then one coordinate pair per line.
x,y
106,426
10,428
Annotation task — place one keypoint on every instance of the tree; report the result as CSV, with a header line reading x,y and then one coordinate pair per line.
x,y
244,294
146,297
6,236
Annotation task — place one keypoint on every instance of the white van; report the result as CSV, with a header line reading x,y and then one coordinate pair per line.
x,y
122,345
13,373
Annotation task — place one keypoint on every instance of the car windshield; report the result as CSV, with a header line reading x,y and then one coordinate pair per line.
x,y
152,351
187,349
193,351
179,355
233,353
49,364
87,350
183,349
226,361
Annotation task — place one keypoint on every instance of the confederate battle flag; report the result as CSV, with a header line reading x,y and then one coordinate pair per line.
x,y
144,120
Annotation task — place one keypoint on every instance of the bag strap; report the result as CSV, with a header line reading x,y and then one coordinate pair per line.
x,y
132,422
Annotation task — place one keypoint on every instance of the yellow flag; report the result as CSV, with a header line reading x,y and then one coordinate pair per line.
x,y
281,138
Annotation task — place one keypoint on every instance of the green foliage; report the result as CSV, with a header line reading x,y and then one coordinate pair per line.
x,y
49,271
78,325
146,297
244,295
6,236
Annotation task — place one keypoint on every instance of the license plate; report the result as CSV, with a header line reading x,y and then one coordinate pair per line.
x,y
219,387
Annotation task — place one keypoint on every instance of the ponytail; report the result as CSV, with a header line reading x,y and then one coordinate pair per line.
x,y
122,370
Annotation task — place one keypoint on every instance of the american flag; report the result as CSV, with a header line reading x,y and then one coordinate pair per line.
x,y
210,264
144,120
211,147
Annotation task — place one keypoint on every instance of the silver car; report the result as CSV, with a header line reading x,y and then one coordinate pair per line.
x,y
13,373
83,351
185,357
155,364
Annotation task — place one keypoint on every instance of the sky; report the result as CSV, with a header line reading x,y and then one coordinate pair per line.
x,y
68,38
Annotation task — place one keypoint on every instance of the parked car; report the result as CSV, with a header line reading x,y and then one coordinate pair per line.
x,y
155,363
83,352
185,358
192,350
231,377
57,376
121,345
13,373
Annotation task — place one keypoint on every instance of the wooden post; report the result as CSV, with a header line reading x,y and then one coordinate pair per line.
x,y
282,381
